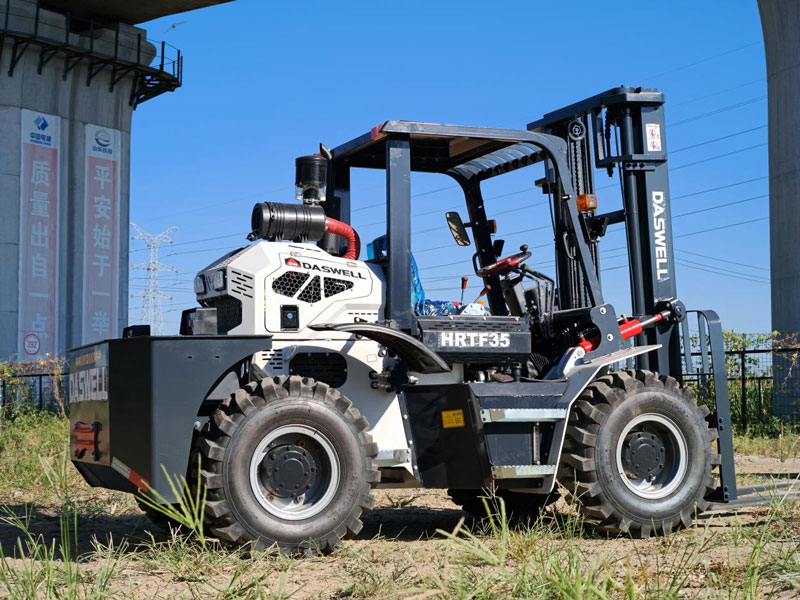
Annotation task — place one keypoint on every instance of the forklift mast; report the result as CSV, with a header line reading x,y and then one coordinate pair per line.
x,y
623,128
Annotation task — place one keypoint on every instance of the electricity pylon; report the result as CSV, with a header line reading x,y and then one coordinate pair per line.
x,y
152,294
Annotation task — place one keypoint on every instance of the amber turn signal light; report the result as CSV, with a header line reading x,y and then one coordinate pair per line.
x,y
587,202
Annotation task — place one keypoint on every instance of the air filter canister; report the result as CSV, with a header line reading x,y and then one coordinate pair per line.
x,y
310,179
276,221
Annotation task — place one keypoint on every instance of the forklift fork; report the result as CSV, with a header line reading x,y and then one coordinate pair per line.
x,y
712,352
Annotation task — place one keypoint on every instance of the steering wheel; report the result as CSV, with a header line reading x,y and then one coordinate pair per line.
x,y
504,265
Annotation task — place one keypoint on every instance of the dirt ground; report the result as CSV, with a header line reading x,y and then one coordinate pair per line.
x,y
398,547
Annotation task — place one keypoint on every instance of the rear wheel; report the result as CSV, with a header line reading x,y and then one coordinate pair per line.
x,y
637,458
519,506
287,462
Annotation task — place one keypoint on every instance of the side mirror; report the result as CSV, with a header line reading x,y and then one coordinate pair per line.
x,y
457,229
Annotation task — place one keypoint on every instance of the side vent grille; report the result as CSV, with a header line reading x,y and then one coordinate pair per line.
x,y
273,361
329,367
229,312
312,292
336,286
288,283
241,283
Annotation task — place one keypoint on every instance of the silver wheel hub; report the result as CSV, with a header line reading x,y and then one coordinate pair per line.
x,y
294,472
652,456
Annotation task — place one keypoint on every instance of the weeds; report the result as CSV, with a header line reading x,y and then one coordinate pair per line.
x,y
753,555
26,439
188,512
50,570
554,560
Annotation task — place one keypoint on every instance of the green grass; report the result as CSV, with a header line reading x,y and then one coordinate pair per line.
x,y
33,450
754,555
782,446
550,560
36,568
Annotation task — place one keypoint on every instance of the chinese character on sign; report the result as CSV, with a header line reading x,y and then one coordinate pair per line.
x,y
101,322
102,237
102,207
40,204
40,235
41,173
39,325
102,263
39,266
102,175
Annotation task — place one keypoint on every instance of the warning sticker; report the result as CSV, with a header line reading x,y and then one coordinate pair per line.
x,y
653,131
452,418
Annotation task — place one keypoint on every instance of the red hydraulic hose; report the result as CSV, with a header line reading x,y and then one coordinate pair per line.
x,y
349,234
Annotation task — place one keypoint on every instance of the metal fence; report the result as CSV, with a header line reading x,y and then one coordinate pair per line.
x,y
764,387
42,391
763,384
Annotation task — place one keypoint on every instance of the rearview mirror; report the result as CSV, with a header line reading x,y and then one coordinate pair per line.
x,y
457,229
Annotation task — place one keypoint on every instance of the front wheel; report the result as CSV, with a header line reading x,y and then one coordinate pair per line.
x,y
287,462
637,458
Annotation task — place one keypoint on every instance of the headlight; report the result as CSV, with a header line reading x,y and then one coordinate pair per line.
x,y
199,285
218,280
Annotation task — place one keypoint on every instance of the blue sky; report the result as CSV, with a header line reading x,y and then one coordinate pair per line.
x,y
266,82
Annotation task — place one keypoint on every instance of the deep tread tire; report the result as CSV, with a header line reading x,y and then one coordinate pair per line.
x,y
588,462
226,447
519,506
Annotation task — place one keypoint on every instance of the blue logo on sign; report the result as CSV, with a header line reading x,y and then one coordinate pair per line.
x,y
102,138
41,123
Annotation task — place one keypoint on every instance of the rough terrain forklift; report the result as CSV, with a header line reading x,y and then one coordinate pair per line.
x,y
307,376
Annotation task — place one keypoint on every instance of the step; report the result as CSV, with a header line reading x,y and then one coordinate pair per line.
x,y
522,415
522,471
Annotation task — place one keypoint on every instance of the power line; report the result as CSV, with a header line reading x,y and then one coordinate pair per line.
x,y
699,62
721,270
216,248
718,93
731,262
709,159
720,227
716,272
721,187
697,162
718,206
716,111
529,189
718,139
550,244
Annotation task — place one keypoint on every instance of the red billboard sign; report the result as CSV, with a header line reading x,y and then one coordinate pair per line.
x,y
101,233
38,235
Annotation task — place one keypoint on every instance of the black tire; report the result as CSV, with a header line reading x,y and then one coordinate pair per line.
x,y
519,506
228,446
591,461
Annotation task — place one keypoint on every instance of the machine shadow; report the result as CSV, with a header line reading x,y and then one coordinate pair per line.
x,y
411,523
39,528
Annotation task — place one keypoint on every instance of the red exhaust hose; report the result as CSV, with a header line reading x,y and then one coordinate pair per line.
x,y
343,230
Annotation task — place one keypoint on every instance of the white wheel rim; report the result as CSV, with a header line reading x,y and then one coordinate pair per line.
x,y
675,460
324,486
